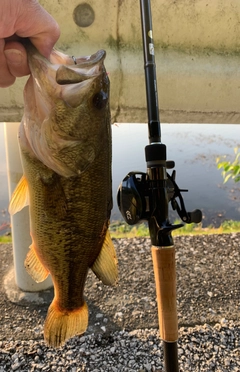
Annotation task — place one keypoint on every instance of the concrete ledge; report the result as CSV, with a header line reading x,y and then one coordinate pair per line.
x,y
197,54
192,88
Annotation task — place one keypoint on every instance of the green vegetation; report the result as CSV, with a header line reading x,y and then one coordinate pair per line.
x,y
230,169
121,230
5,239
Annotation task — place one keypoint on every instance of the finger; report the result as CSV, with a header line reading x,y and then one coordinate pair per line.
x,y
37,24
16,58
6,78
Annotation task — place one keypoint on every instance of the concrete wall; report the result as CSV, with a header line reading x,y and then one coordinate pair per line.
x,y
197,45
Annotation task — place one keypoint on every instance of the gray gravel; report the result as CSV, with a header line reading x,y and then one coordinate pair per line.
x,y
123,323
202,348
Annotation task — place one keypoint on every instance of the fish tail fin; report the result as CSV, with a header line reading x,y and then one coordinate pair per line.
x,y
60,325
105,266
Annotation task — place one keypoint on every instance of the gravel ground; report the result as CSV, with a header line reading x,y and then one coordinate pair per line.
x,y
123,322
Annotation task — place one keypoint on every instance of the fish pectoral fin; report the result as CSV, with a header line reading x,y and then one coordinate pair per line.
x,y
34,266
62,325
105,266
20,198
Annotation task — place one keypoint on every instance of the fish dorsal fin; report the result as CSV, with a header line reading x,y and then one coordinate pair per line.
x,y
105,265
20,197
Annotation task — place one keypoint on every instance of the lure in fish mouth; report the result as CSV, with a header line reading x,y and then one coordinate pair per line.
x,y
65,144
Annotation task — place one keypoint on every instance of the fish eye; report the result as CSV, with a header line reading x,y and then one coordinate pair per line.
x,y
100,100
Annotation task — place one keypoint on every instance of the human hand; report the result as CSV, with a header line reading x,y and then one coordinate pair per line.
x,y
23,19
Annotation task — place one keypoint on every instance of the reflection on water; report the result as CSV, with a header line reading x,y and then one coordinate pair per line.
x,y
194,149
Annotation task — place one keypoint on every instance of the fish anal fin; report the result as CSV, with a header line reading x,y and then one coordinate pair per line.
x,y
34,266
60,325
105,266
20,197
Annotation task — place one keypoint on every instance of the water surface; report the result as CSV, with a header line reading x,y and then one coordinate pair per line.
x,y
194,149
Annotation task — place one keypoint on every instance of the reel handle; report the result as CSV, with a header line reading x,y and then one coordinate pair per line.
x,y
195,216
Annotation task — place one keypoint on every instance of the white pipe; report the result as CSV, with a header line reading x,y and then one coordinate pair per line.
x,y
20,221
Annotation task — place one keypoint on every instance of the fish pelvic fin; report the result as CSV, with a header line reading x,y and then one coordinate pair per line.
x,y
105,266
60,325
34,266
20,198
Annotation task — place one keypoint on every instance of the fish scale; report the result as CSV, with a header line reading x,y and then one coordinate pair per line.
x,y
66,158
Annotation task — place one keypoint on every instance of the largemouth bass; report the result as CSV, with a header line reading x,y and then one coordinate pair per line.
x,y
65,144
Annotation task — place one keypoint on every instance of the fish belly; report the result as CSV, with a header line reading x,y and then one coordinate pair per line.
x,y
69,219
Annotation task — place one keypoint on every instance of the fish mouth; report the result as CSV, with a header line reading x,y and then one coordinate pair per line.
x,y
71,70
77,70
61,65
77,78
97,57
64,69
85,61
58,96
64,77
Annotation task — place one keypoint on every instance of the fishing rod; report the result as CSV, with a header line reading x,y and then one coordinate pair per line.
x,y
146,196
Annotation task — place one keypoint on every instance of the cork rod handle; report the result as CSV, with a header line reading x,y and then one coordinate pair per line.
x,y
165,278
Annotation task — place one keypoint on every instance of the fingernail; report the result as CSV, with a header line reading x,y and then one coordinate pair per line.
x,y
13,56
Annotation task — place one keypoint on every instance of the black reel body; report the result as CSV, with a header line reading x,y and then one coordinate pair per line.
x,y
133,198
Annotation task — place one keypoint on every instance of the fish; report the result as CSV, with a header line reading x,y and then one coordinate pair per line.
x,y
65,146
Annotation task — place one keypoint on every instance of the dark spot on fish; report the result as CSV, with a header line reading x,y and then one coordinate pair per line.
x,y
100,100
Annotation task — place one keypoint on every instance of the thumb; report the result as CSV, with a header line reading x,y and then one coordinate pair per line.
x,y
16,58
